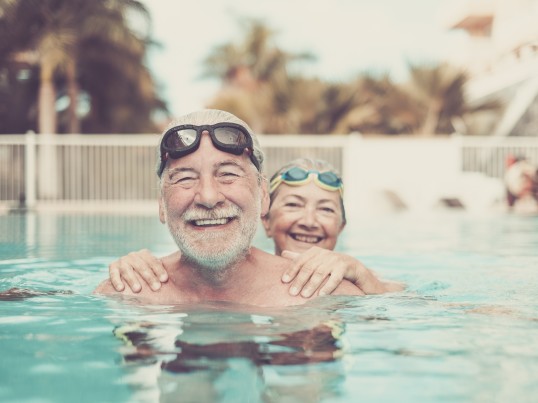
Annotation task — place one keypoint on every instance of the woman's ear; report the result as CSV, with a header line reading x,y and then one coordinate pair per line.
x,y
342,227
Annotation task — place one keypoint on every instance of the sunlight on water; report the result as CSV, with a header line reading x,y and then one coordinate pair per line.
x,y
464,330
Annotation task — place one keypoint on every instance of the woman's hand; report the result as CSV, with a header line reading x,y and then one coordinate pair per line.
x,y
142,262
324,269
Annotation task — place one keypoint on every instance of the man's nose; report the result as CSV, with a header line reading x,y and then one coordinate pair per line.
x,y
208,194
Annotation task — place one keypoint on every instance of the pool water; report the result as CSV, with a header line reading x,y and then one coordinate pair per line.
x,y
465,329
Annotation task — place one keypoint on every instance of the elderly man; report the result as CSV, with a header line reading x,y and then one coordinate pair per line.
x,y
212,197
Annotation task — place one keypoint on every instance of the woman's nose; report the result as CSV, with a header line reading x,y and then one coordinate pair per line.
x,y
308,218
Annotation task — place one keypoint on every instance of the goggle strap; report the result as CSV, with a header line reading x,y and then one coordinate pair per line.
x,y
276,182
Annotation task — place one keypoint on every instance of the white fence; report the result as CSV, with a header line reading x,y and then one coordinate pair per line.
x,y
89,172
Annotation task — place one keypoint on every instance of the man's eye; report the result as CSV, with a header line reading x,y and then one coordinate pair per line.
x,y
228,176
181,179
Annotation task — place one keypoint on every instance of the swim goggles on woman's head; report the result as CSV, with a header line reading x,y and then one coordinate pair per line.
x,y
297,176
183,140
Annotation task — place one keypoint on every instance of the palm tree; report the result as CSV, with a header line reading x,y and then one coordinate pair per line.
x,y
435,88
257,70
67,39
58,32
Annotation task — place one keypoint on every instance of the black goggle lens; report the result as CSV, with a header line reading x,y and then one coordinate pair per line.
x,y
230,137
183,140
179,139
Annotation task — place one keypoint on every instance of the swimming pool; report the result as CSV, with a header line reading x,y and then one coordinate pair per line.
x,y
465,330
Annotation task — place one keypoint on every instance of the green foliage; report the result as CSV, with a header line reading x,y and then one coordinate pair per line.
x,y
258,85
88,50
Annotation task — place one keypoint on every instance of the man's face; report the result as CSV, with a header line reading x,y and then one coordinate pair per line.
x,y
212,201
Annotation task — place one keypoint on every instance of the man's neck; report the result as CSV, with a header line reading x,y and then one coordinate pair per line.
x,y
212,281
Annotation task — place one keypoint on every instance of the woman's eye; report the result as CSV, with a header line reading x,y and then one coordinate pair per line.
x,y
292,204
327,210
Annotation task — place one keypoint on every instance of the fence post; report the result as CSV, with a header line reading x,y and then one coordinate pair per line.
x,y
457,143
30,181
351,174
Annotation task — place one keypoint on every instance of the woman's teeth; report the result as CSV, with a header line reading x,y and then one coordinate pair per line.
x,y
306,238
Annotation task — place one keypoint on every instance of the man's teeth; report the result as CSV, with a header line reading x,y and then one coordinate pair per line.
x,y
219,221
306,238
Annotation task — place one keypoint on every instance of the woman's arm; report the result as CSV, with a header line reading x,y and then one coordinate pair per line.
x,y
323,270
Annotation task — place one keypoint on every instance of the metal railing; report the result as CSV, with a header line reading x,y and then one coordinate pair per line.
x,y
102,170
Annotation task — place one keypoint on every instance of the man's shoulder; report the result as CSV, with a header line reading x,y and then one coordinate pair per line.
x,y
105,287
347,288
145,295
269,264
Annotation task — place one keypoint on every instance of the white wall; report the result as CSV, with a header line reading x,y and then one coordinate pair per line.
x,y
380,173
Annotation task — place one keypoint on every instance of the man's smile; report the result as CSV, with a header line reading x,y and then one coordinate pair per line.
x,y
208,222
212,218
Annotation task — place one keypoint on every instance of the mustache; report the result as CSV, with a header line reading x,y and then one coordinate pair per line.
x,y
194,213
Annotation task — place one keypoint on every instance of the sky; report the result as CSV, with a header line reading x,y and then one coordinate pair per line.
x,y
346,36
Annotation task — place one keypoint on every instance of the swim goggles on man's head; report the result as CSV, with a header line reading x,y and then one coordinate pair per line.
x,y
183,140
297,176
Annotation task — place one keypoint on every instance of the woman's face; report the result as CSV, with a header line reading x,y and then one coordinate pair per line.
x,y
304,216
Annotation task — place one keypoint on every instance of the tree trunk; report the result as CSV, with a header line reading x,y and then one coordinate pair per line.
x,y
432,118
47,164
72,91
47,105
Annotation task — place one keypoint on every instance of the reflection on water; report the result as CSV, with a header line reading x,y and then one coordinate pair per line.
x,y
464,330
78,236
223,352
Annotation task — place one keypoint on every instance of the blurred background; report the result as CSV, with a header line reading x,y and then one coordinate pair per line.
x,y
420,104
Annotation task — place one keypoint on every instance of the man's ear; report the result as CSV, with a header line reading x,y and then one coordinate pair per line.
x,y
162,215
265,198
267,226
266,201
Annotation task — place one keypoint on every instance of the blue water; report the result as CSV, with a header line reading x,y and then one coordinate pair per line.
x,y
466,329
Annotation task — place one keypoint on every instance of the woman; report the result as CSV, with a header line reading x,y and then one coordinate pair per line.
x,y
305,218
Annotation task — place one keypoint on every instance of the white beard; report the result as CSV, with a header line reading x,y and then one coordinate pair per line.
x,y
223,248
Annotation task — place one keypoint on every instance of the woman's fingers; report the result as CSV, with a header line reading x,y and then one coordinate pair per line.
x,y
114,274
316,270
305,272
317,278
130,268
292,271
155,265
121,272
311,271
334,281
143,265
